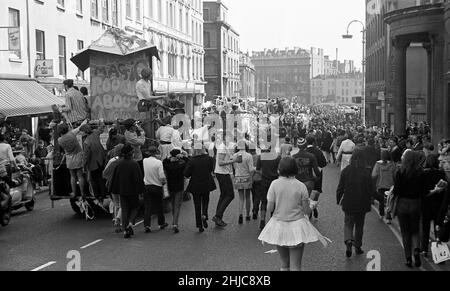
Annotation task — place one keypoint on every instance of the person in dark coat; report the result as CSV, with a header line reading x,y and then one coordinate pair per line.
x,y
128,182
94,158
199,169
431,204
327,141
354,194
373,155
174,167
321,162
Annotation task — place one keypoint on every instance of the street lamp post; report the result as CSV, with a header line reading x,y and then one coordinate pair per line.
x,y
363,93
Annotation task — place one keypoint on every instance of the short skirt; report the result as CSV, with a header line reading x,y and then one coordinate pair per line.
x,y
291,233
243,183
74,161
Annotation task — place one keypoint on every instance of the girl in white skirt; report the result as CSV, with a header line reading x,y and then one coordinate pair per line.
x,y
289,228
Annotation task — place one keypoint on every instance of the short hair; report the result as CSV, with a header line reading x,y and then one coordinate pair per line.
x,y
310,140
63,128
68,83
84,91
2,138
127,151
432,162
146,73
287,167
386,155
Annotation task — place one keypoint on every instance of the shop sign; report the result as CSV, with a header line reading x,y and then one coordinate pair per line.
x,y
44,68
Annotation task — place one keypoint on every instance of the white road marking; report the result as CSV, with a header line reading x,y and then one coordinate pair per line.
x,y
43,266
140,222
271,252
91,244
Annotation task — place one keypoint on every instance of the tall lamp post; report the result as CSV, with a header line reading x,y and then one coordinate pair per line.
x,y
363,93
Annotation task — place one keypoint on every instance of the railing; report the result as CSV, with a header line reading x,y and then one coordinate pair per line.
x,y
393,5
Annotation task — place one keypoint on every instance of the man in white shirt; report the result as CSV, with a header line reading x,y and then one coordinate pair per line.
x,y
346,151
224,172
154,180
164,135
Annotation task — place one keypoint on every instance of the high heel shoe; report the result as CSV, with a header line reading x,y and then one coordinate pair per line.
x,y
417,261
408,262
205,221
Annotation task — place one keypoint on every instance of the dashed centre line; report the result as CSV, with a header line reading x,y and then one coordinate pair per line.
x,y
43,266
91,244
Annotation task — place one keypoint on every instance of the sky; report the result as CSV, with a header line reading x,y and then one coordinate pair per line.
x,y
300,23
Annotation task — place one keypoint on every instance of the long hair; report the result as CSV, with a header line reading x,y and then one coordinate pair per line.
x,y
410,163
358,159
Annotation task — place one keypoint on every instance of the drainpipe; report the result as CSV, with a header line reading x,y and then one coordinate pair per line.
x,y
28,39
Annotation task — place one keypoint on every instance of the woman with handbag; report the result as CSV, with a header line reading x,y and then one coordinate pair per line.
x,y
409,190
383,175
433,201
199,169
354,194
243,179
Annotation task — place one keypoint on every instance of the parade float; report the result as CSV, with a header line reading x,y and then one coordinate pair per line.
x,y
115,61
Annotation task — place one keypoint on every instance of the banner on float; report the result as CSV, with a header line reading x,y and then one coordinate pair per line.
x,y
113,86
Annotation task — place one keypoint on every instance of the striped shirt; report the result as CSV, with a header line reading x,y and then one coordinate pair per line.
x,y
76,105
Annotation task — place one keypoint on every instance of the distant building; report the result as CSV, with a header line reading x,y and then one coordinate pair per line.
x,y
343,89
222,52
283,74
248,77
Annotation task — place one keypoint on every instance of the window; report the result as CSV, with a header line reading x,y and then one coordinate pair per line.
x,y
150,8
80,6
62,55
206,16
138,10
187,23
160,10
105,10
80,46
61,3
181,19
40,45
207,37
128,8
170,15
94,9
14,33
115,13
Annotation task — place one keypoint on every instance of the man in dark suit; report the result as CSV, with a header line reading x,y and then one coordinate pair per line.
x,y
321,162
94,159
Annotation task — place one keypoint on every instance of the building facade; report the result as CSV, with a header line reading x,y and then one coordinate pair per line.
x,y
248,77
283,74
222,52
416,30
55,30
341,89
380,96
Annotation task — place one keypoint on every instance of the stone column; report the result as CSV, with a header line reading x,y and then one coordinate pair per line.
x,y
400,47
427,47
440,115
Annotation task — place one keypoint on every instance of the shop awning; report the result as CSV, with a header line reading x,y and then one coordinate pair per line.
x,y
25,97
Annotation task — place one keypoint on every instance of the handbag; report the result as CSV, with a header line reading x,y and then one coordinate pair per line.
x,y
391,205
440,252
444,229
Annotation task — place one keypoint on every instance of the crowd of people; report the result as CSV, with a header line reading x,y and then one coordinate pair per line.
x,y
279,184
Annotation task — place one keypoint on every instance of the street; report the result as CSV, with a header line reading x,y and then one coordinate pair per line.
x,y
41,240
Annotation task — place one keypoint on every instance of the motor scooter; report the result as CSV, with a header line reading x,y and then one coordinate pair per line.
x,y
23,195
5,204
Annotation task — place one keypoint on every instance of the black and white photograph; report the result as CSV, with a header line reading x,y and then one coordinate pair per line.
x,y
207,138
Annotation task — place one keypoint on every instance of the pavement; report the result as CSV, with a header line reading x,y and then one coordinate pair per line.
x,y
44,238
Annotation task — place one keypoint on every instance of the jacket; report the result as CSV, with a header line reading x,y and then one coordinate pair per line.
x,y
384,174
127,179
174,173
199,169
136,142
355,190
94,153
